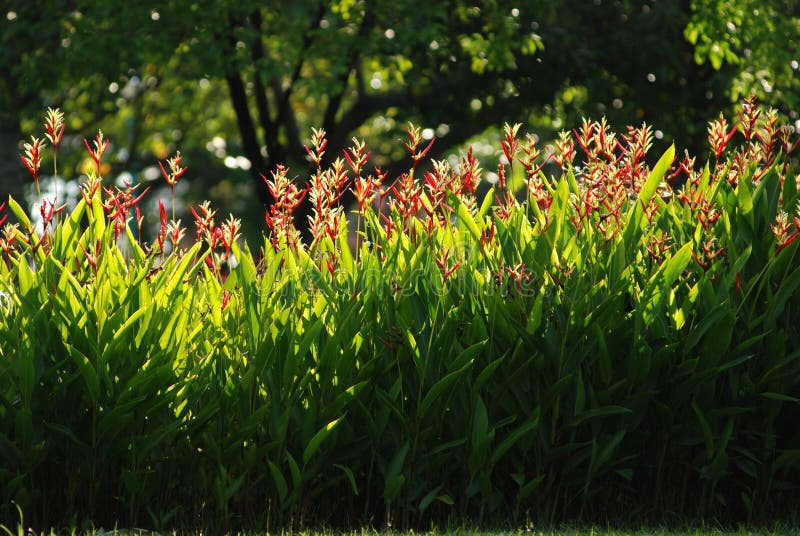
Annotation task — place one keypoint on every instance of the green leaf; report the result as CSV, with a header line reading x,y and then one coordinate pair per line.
x,y
605,411
87,372
350,477
446,446
19,212
138,253
608,447
786,290
279,480
659,285
746,218
294,471
580,394
464,217
488,199
635,215
396,465
25,275
348,263
627,474
512,439
708,437
393,487
525,491
181,272
129,323
245,266
319,438
429,498
714,317
98,219
780,396
480,425
789,458
66,237
310,335
438,388
656,176
113,422
66,432
487,372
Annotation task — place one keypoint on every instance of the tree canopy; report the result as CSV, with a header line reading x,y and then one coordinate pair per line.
x,y
259,75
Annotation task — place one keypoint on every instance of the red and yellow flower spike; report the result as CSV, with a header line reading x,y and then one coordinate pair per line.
x,y
54,124
100,146
175,170
33,160
175,173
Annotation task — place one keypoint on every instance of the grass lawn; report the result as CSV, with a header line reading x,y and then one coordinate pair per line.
x,y
778,530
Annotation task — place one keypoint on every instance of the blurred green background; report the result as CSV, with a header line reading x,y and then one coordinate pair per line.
x,y
237,86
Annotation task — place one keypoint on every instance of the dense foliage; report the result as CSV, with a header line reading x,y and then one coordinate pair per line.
x,y
606,340
256,75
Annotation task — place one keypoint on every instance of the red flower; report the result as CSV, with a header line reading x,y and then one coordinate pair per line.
x,y
33,158
54,123
175,170
100,146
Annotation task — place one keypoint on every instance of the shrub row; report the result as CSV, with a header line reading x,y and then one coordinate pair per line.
x,y
612,340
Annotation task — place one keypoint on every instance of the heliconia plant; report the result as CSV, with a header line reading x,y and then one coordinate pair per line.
x,y
54,125
33,160
600,335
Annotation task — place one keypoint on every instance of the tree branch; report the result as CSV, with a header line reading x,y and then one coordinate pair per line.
x,y
248,132
278,152
293,146
262,104
335,101
365,107
308,38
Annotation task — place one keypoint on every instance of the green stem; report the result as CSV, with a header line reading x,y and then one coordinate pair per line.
x,y
55,176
